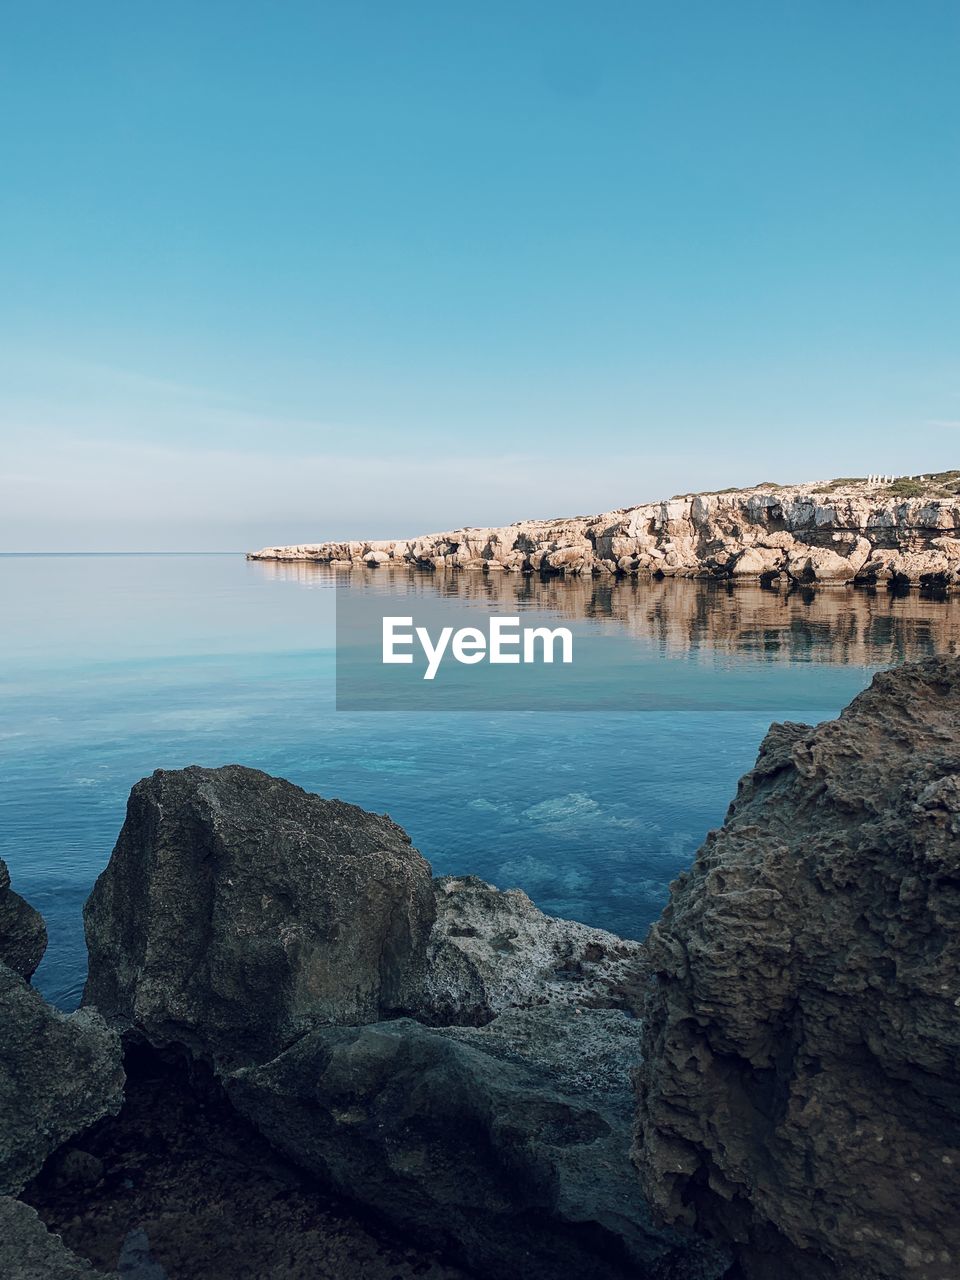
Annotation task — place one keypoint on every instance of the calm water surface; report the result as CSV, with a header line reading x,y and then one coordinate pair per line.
x,y
114,666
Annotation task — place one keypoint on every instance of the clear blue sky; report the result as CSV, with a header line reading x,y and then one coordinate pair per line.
x,y
273,272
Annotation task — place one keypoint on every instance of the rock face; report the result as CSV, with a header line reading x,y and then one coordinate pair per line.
x,y
28,1251
493,950
835,532
23,935
58,1075
799,1092
506,1142
238,911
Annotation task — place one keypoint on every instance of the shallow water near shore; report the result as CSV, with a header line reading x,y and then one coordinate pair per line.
x,y
114,666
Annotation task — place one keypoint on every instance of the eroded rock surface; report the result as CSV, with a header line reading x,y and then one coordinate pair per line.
x,y
799,1092
492,950
238,911
23,935
826,532
58,1074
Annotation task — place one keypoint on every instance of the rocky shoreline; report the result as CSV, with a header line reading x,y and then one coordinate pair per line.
x,y
836,532
300,1054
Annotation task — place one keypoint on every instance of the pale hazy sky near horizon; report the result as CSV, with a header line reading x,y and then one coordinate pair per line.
x,y
274,273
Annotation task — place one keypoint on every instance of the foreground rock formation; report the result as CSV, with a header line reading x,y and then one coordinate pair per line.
x,y
799,1092
767,1089
281,938
490,951
179,1186
506,1141
58,1074
839,531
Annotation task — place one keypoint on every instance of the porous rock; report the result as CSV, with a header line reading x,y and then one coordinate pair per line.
x,y
238,911
799,1092
492,949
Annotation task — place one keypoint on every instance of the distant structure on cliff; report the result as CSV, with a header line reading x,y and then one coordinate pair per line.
x,y
874,481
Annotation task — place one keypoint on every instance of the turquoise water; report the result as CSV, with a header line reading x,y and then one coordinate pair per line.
x,y
114,666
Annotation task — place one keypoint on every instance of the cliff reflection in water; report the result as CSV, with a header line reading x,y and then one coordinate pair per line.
x,y
846,626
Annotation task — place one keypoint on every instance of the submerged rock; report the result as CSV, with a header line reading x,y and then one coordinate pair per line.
x,y
507,1143
28,1251
58,1074
238,911
23,935
799,1092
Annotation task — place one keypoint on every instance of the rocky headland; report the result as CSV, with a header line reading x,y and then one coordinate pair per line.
x,y
844,531
300,1054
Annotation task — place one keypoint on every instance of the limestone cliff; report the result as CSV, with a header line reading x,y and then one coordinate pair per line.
x,y
838,531
799,1093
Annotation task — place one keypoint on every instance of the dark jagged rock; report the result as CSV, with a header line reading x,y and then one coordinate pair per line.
x,y
238,911
23,935
799,1092
28,1251
58,1074
508,1143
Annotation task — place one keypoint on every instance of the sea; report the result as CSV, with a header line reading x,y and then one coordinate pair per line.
x,y
112,666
